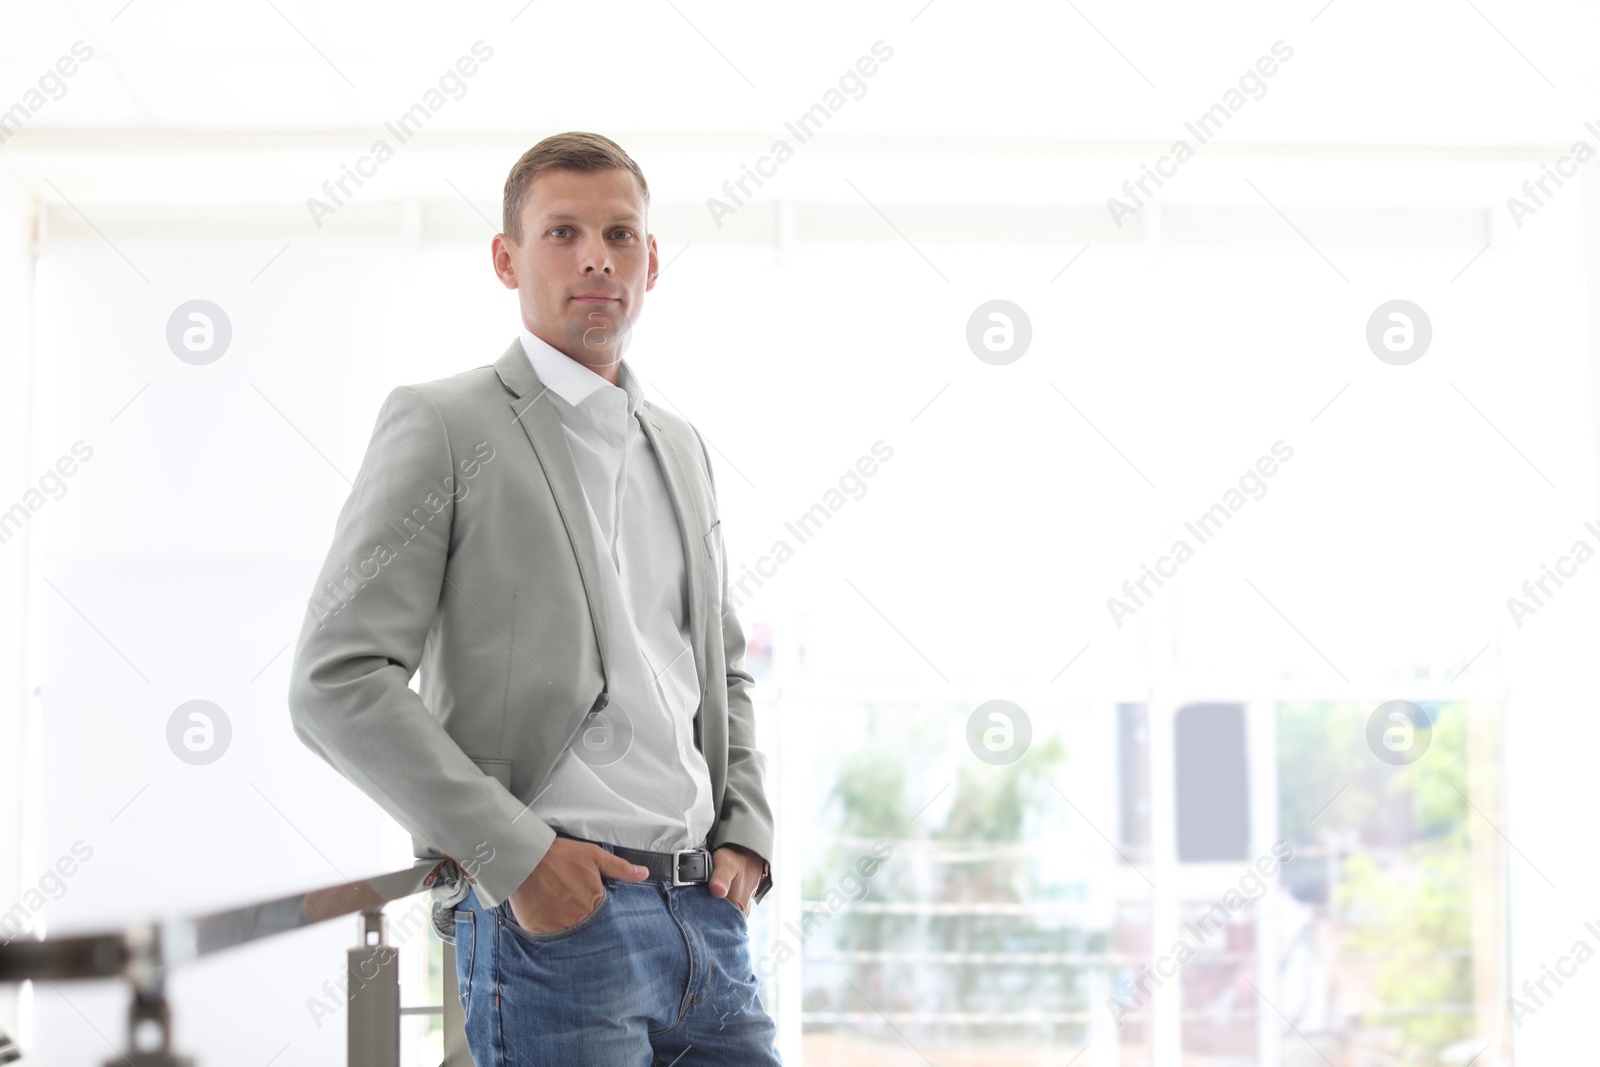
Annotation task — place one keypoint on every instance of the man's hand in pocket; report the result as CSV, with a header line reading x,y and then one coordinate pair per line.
x,y
565,887
736,874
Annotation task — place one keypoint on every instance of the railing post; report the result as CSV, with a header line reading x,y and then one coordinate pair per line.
x,y
374,998
149,1015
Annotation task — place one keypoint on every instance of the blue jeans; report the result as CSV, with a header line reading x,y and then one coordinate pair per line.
x,y
657,974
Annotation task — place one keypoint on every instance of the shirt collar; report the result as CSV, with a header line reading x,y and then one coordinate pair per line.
x,y
574,382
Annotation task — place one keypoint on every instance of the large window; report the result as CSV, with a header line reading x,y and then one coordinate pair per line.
x,y
958,532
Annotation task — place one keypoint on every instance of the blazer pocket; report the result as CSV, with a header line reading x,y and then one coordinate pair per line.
x,y
498,769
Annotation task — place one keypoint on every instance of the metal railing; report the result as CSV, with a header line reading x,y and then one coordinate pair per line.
x,y
145,953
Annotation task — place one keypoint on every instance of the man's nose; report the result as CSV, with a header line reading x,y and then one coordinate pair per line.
x,y
596,257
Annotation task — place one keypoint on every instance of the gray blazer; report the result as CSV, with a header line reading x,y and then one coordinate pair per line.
x,y
464,551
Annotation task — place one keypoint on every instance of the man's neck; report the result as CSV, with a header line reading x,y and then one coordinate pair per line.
x,y
609,369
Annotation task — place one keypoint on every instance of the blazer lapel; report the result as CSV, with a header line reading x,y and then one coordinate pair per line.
x,y
543,427
673,461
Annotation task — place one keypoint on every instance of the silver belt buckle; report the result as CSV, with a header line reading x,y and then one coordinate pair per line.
x,y
679,854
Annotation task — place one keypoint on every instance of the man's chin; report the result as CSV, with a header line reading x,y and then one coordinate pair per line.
x,y
591,311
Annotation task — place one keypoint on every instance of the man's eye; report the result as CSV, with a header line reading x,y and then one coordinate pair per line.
x,y
627,232
557,232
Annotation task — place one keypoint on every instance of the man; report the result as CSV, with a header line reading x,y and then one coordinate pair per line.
x,y
543,544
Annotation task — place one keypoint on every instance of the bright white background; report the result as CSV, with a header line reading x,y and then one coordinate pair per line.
x,y
829,314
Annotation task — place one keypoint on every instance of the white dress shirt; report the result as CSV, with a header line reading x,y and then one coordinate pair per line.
x,y
634,776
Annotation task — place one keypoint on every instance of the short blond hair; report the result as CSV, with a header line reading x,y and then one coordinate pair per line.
x,y
575,150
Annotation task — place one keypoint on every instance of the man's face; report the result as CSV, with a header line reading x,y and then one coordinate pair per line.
x,y
584,263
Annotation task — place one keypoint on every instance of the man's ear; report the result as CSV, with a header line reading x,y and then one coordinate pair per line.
x,y
655,265
500,247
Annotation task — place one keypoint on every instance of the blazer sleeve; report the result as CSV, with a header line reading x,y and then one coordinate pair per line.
x,y
362,640
745,818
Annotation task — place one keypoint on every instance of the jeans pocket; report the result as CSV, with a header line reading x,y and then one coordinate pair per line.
x,y
744,920
466,952
509,920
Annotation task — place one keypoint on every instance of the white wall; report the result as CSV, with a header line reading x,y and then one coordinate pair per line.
x,y
16,309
